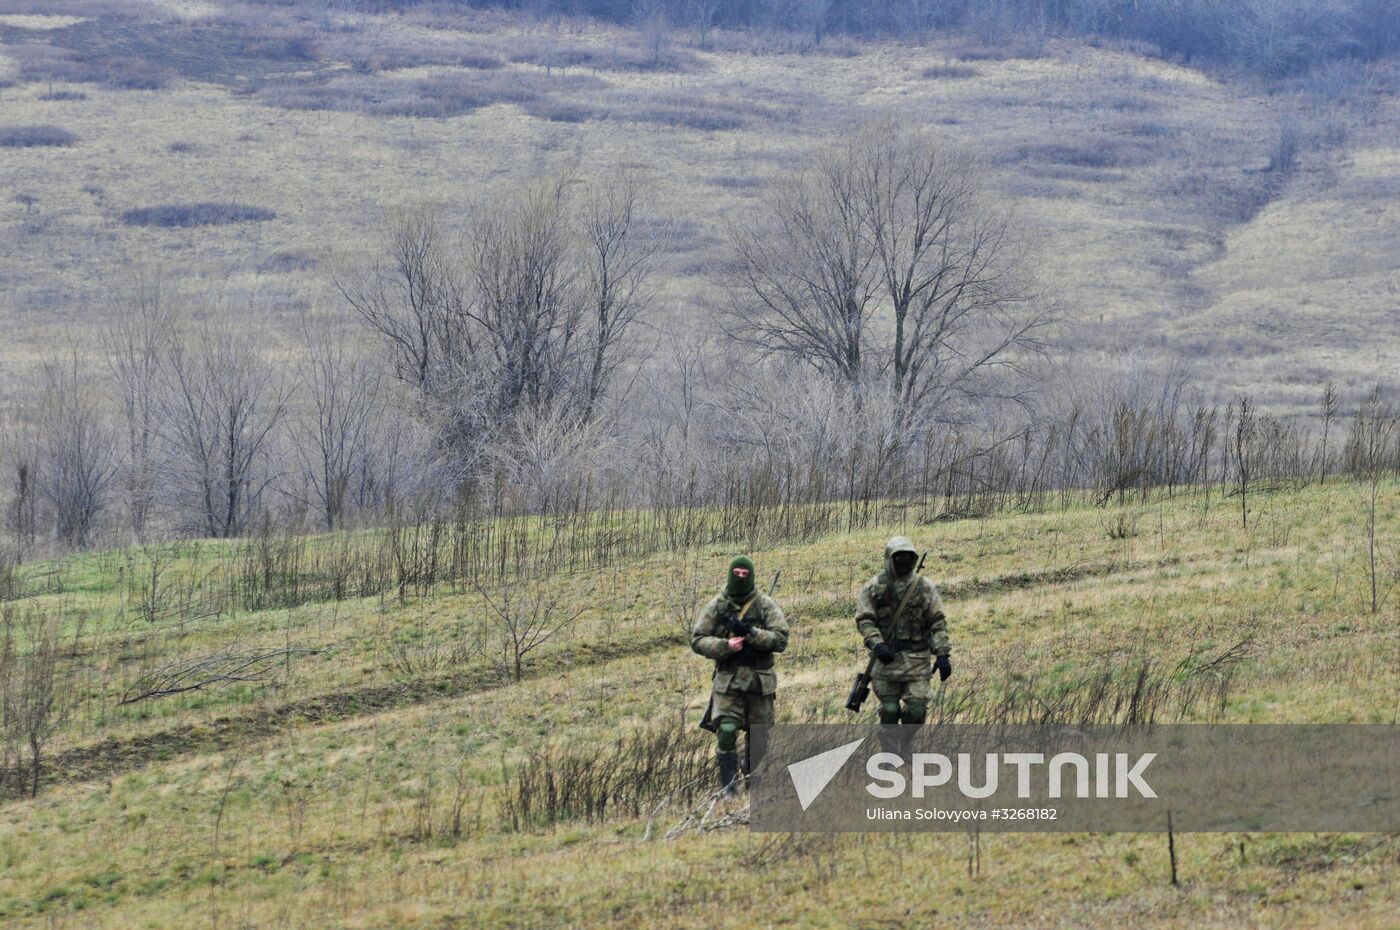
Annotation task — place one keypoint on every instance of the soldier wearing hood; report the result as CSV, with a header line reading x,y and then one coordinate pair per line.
x,y
907,645
740,629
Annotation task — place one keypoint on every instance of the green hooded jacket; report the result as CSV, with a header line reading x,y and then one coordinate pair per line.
x,y
922,629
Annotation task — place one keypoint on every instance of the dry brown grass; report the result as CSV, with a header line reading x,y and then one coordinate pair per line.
x,y
351,820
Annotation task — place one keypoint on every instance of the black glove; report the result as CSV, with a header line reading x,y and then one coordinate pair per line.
x,y
944,666
736,626
884,653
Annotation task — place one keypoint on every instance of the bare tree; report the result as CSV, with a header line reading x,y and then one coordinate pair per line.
x,y
406,296
882,264
803,286
654,26
219,408
548,452
701,14
525,308
1331,403
527,616
78,451
136,348
33,692
1242,451
814,15
19,455
1372,453
618,259
536,313
10,758
226,664
954,280
1282,37
337,427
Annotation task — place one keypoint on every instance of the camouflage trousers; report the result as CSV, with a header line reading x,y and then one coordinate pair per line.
x,y
747,707
912,695
736,711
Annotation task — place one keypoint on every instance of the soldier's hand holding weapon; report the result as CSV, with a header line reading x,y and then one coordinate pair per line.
x,y
736,626
740,629
884,653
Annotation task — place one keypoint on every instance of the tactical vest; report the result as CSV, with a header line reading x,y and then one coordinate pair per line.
x,y
911,634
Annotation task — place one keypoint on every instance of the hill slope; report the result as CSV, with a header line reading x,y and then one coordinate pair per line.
x,y
378,778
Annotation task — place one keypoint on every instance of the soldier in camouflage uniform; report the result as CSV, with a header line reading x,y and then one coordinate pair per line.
x,y
907,649
740,629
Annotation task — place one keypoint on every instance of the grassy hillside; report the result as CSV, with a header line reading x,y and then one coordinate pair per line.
x,y
381,777
1165,206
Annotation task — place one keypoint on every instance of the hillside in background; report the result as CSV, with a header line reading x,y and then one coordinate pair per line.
x,y
375,420
387,764
1249,229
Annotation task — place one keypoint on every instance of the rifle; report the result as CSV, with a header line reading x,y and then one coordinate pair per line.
x,y
707,722
861,689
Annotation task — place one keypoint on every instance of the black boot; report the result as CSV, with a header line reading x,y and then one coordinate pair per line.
x,y
907,732
728,771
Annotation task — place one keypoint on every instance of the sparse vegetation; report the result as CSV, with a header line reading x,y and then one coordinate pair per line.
x,y
24,137
437,97
1080,156
287,263
367,603
949,72
181,216
746,87
391,731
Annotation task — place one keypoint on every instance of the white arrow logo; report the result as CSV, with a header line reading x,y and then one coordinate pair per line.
x,y
811,776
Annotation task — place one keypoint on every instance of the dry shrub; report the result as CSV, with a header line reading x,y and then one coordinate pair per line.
x,y
715,114
185,215
632,776
1122,524
1141,687
287,262
368,51
439,96
949,72
549,52
56,96
1078,156
25,137
35,697
53,65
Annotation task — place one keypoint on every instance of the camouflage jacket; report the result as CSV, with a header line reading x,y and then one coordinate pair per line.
x,y
750,669
922,628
